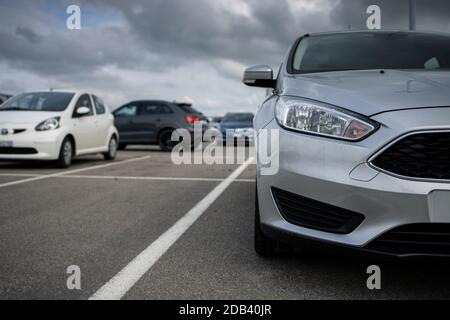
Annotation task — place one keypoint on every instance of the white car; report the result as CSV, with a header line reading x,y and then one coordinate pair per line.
x,y
56,125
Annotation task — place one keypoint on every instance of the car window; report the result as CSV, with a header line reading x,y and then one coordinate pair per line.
x,y
153,108
365,51
39,101
99,105
84,101
188,109
25,102
127,111
166,109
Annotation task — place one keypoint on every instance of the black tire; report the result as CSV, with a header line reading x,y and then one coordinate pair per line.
x,y
165,140
112,149
122,146
66,153
264,246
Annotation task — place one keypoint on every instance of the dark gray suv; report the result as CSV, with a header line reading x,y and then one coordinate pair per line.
x,y
153,121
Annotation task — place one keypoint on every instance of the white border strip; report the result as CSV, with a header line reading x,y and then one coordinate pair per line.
x,y
123,281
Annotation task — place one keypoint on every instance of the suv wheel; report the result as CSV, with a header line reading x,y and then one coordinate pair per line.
x,y
66,153
165,140
112,150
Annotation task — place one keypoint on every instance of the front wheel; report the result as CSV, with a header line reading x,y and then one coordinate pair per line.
x,y
66,153
112,150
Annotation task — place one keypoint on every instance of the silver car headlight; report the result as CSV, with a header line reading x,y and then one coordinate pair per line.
x,y
49,124
322,119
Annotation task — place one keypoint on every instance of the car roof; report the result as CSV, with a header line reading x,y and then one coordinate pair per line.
x,y
148,100
381,31
59,90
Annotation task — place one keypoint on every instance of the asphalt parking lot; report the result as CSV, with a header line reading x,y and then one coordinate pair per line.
x,y
101,216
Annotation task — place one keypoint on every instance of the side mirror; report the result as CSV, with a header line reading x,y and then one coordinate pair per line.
x,y
83,111
259,76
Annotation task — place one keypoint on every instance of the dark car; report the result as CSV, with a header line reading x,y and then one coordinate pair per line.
x,y
237,126
4,97
152,122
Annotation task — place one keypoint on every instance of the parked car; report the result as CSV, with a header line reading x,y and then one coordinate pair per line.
x,y
237,127
214,122
364,151
4,97
152,122
56,125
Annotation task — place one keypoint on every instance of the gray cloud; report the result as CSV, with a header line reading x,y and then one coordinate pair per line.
x,y
201,29
431,14
28,34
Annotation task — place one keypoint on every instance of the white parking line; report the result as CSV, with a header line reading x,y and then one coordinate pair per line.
x,y
12,175
123,281
155,178
64,173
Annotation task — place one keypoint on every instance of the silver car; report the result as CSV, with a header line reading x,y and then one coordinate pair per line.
x,y
364,144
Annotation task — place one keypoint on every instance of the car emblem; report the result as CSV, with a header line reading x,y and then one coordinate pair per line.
x,y
4,132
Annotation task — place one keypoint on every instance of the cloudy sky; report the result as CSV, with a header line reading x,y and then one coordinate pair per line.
x,y
184,50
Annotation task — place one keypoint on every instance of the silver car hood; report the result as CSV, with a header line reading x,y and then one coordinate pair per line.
x,y
371,92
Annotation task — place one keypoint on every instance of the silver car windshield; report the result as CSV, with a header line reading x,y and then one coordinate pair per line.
x,y
372,50
38,101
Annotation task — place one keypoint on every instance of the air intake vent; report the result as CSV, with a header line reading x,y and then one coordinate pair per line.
x,y
421,155
7,150
419,239
315,215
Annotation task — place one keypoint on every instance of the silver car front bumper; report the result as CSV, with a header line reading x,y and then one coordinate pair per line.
x,y
338,173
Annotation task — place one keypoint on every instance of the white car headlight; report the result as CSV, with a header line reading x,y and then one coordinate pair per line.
x,y
49,124
322,119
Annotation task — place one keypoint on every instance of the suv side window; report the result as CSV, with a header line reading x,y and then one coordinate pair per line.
x,y
83,101
151,109
127,111
99,105
166,109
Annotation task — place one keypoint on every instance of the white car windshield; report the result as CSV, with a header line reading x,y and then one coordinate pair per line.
x,y
39,101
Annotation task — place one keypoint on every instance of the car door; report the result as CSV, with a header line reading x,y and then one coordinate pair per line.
x,y
124,119
148,121
84,127
102,121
